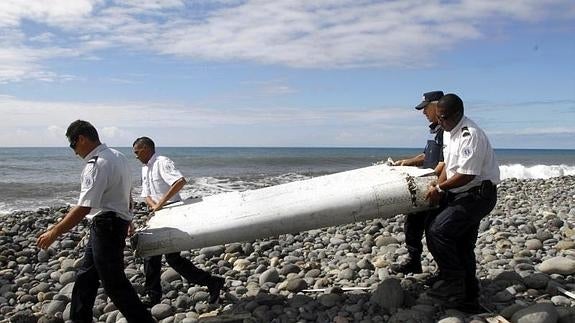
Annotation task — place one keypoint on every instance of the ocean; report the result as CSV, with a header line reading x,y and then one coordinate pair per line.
x,y
32,178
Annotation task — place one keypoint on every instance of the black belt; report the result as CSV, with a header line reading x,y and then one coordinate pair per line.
x,y
107,215
484,189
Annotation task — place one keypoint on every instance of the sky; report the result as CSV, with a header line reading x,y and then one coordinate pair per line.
x,y
284,73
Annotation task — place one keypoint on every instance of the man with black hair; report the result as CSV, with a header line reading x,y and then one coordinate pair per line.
x,y
432,157
467,191
105,192
161,184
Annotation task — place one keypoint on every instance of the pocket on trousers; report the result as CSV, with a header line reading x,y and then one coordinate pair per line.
x,y
110,228
487,190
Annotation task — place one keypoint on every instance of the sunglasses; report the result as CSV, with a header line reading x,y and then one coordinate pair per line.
x,y
74,143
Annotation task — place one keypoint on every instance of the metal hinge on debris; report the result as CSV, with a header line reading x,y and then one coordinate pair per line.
x,y
412,188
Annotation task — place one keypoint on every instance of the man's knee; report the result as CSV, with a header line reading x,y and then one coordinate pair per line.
x,y
174,259
114,285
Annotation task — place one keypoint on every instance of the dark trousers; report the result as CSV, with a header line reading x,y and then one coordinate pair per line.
x,y
452,235
184,267
104,261
414,227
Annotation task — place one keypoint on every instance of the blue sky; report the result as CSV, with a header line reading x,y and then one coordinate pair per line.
x,y
337,73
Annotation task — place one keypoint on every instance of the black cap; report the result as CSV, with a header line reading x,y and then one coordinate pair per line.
x,y
429,97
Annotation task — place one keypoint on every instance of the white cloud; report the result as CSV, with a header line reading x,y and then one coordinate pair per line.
x,y
296,33
12,12
113,132
36,123
42,38
44,123
535,131
56,131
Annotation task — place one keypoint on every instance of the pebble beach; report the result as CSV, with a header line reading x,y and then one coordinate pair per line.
x,y
525,254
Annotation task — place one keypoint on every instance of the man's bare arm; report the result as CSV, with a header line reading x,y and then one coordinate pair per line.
x,y
71,219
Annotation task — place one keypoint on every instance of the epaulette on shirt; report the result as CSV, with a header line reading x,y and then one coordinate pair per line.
x,y
93,160
465,132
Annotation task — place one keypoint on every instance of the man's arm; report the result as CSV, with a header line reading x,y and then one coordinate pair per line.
x,y
174,189
68,222
438,170
457,180
413,161
150,202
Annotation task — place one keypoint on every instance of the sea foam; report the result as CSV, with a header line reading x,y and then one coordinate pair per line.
x,y
536,171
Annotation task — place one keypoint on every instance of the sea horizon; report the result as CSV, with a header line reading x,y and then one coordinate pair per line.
x,y
304,147
35,177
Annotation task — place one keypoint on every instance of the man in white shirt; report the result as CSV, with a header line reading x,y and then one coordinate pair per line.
x,y
467,191
161,184
105,193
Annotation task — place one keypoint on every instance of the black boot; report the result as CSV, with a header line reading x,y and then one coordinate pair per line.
x,y
433,279
470,306
215,285
411,265
451,291
150,301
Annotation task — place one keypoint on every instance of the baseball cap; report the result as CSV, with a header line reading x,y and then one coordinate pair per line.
x,y
429,97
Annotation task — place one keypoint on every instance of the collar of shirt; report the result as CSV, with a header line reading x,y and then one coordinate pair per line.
x,y
151,161
94,152
459,125
434,127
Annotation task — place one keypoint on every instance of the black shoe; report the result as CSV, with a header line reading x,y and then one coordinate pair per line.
x,y
470,306
431,280
451,291
150,301
412,266
214,287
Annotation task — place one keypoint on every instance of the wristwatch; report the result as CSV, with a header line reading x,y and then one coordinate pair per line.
x,y
438,189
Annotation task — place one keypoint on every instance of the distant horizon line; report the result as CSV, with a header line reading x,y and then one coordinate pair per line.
x,y
280,147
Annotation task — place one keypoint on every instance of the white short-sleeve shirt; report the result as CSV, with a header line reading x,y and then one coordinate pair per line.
x,y
158,175
468,151
106,183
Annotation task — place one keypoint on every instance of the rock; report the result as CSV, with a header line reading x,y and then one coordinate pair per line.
x,y
183,302
67,277
54,307
533,244
566,315
210,252
365,264
161,311
296,285
389,295
347,273
170,275
24,317
565,244
560,300
289,268
538,313
241,264
329,300
536,280
412,316
451,319
508,311
43,255
383,241
557,265
269,276
50,319
41,287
